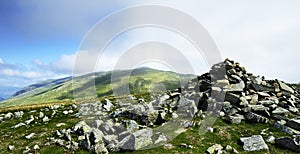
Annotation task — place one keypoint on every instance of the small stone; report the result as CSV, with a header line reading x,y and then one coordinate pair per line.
x,y
30,136
263,94
271,139
280,110
65,112
18,125
11,147
8,116
161,138
174,115
168,146
214,149
45,119
60,124
210,129
183,145
41,115
36,147
235,119
221,114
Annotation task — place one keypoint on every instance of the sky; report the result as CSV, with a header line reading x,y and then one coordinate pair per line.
x,y
39,40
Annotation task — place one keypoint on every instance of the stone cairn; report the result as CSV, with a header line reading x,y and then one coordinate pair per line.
x,y
227,90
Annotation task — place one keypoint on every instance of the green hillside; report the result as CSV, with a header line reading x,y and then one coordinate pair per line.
x,y
141,80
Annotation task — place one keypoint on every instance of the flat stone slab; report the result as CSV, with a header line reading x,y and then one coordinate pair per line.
x,y
254,143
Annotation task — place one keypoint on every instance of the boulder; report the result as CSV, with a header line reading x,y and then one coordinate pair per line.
x,y
288,143
254,143
281,125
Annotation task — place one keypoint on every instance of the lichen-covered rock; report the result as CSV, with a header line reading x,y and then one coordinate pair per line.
x,y
254,143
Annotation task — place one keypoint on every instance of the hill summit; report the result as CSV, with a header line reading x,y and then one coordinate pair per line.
x,y
227,110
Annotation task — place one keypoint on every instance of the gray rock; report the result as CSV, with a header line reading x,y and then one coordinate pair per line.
x,y
46,119
263,94
29,120
110,139
8,115
108,105
100,148
161,139
293,123
96,136
18,125
238,87
143,138
285,87
280,110
258,107
59,142
254,99
271,139
11,147
235,119
232,98
254,143
253,117
281,125
61,124
41,115
19,114
36,147
214,149
288,143
81,128
65,112
210,129
131,125
29,136
127,143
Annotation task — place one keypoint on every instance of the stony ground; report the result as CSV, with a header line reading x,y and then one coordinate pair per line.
x,y
235,111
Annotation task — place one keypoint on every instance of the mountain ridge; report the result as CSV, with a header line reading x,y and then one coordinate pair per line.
x,y
58,90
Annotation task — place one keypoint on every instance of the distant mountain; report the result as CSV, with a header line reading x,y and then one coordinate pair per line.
x,y
141,80
44,85
1,99
6,91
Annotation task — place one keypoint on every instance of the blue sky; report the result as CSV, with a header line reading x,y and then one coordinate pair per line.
x,y
39,39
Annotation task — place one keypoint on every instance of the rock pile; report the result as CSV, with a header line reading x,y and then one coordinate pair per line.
x,y
227,91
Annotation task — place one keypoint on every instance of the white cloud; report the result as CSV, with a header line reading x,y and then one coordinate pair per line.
x,y
1,61
9,72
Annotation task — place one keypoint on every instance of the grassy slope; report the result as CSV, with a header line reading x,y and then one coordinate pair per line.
x,y
150,79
